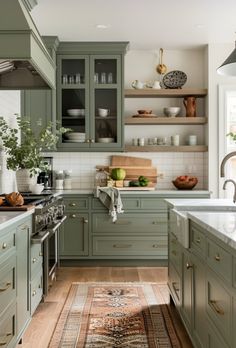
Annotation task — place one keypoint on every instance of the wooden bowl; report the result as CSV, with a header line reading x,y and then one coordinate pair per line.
x,y
185,185
141,112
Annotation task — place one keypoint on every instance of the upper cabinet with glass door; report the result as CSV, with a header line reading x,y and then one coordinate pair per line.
x,y
90,96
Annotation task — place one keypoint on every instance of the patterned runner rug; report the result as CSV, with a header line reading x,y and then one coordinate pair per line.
x,y
116,315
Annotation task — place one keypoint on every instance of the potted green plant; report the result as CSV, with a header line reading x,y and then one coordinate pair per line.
x,y
24,147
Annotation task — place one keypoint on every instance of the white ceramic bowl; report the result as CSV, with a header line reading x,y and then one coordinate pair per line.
x,y
106,140
75,135
171,111
74,112
37,188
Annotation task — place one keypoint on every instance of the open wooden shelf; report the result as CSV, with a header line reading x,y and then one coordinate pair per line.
x,y
170,93
165,120
166,148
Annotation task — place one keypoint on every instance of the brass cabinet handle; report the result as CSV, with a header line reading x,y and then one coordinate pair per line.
x,y
34,293
40,253
217,257
85,221
176,289
216,308
7,286
92,141
188,265
73,216
198,240
34,260
87,141
122,246
72,204
5,337
25,227
4,245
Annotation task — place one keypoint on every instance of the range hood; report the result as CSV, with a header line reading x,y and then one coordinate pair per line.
x,y
25,62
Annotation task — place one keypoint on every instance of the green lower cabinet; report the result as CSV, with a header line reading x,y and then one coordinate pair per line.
x,y
22,275
8,327
187,300
175,285
213,339
74,236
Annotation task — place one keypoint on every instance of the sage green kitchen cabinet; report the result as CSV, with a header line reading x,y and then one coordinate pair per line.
x,y
23,233
74,236
90,78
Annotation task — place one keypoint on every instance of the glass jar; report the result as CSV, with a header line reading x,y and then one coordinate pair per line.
x,y
100,178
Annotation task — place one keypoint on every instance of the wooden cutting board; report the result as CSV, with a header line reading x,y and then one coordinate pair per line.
x,y
120,161
17,208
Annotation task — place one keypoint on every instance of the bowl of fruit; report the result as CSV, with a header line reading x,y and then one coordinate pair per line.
x,y
185,182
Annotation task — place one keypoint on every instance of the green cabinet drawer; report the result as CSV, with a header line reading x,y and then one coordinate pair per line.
x,y
130,223
136,204
36,258
76,203
7,282
36,291
219,260
219,307
7,242
175,254
213,339
174,284
8,328
197,240
130,246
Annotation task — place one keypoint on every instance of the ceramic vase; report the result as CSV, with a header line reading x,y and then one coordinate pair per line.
x,y
24,181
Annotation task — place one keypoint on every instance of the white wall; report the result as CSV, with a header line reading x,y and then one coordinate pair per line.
x,y
9,106
217,53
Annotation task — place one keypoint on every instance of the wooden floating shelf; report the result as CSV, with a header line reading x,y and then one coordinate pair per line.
x,y
166,148
170,93
165,120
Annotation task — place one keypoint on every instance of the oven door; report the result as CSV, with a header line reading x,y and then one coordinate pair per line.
x,y
50,252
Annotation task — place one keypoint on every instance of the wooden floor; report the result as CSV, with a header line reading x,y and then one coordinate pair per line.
x,y
44,320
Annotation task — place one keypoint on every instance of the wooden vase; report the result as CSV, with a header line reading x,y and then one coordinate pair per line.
x,y
190,106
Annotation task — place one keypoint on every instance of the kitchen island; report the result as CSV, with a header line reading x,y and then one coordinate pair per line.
x,y
202,276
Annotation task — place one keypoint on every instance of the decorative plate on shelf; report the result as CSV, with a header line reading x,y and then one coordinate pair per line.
x,y
174,79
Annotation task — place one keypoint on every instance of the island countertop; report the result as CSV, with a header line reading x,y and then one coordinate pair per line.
x,y
220,224
201,204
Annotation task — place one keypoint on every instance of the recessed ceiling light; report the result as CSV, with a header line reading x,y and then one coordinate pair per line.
x,y
102,26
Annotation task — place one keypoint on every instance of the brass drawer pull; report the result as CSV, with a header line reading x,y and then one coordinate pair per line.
x,y
73,216
7,286
122,223
216,308
34,293
85,221
25,227
40,253
122,246
5,338
217,257
72,204
34,260
4,245
188,265
198,240
92,141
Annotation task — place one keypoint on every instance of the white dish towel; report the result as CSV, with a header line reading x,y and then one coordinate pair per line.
x,y
110,197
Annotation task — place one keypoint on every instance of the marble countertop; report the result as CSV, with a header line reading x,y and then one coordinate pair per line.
x,y
135,192
202,204
9,217
220,224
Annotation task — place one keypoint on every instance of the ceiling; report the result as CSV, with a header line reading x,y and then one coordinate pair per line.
x,y
147,24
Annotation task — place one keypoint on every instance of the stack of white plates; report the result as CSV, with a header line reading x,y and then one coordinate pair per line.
x,y
75,137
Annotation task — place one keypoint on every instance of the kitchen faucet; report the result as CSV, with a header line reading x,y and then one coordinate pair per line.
x,y
225,159
233,182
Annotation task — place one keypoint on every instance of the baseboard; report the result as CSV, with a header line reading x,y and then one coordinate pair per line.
x,y
114,263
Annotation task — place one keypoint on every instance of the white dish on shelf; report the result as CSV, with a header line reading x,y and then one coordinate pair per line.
x,y
75,112
106,140
73,141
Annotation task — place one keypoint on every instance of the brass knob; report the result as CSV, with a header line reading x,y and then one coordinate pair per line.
x,y
73,216
85,221
217,257
92,141
72,204
155,246
34,260
188,265
4,245
87,141
34,293
198,240
40,253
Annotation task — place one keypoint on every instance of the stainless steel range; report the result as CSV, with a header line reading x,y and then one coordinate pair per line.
x,y
47,220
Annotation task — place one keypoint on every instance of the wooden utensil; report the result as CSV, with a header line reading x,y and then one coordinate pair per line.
x,y
161,68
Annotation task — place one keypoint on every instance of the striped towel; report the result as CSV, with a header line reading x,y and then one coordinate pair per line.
x,y
110,197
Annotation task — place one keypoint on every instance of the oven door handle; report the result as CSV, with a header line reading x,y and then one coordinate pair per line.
x,y
40,237
58,224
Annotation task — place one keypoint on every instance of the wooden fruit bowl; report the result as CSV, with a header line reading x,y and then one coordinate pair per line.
x,y
185,185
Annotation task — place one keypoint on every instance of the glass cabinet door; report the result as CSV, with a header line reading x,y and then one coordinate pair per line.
x,y
73,100
106,105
